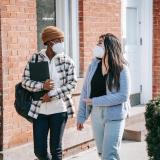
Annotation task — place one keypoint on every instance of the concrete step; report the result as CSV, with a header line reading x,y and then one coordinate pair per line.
x,y
135,125
136,115
136,132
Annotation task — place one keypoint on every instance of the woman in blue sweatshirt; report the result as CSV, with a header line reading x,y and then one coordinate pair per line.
x,y
105,95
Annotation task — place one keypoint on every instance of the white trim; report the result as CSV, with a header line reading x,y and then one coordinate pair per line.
x,y
123,23
75,33
147,51
62,20
67,20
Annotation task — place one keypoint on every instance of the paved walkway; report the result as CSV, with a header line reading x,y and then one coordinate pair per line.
x,y
129,151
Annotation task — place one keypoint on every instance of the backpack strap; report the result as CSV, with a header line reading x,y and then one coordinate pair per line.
x,y
36,58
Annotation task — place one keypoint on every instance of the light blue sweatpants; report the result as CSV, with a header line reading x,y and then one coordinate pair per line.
x,y
107,134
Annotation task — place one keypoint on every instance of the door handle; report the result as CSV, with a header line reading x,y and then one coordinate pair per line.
x,y
141,41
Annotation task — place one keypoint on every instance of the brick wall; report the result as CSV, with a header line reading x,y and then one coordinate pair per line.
x,y
19,41
18,29
96,17
156,47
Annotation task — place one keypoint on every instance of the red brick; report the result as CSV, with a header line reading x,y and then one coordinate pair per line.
x,y
156,48
5,2
18,23
94,20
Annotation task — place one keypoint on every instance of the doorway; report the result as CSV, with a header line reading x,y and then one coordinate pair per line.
x,y
137,47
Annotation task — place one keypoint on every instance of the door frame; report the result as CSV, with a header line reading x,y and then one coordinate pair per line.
x,y
146,49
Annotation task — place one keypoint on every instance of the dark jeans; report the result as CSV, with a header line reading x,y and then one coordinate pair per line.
x,y
55,123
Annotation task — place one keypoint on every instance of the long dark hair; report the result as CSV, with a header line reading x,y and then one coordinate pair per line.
x,y
116,60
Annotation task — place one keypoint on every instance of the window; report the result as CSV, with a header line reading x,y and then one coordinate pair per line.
x,y
46,15
63,14
131,26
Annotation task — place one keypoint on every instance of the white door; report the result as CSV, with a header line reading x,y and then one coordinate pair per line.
x,y
132,42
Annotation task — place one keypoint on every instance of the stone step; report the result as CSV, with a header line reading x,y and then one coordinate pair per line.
x,y
136,115
135,132
135,125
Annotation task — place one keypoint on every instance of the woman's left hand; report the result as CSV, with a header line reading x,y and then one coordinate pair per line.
x,y
88,101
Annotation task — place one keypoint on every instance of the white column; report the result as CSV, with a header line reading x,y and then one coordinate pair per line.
x,y
147,51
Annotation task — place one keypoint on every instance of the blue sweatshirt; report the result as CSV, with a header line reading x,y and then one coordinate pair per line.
x,y
116,102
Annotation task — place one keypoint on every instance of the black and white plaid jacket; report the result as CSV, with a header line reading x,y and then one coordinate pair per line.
x,y
66,69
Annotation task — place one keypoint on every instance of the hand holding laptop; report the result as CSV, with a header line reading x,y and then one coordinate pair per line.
x,y
48,85
45,98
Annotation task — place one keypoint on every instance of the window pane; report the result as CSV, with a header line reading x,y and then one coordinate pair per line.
x,y
131,26
46,15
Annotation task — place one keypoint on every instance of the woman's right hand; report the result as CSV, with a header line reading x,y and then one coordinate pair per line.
x,y
80,126
48,85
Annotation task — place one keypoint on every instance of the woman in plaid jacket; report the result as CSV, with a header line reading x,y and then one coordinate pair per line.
x,y
50,113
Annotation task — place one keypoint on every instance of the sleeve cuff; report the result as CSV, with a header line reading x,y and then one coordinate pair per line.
x,y
51,93
80,120
94,102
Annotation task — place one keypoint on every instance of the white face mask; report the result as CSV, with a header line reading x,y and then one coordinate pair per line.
x,y
58,47
98,52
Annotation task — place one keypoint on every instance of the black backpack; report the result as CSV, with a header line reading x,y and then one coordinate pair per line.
x,y
23,100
